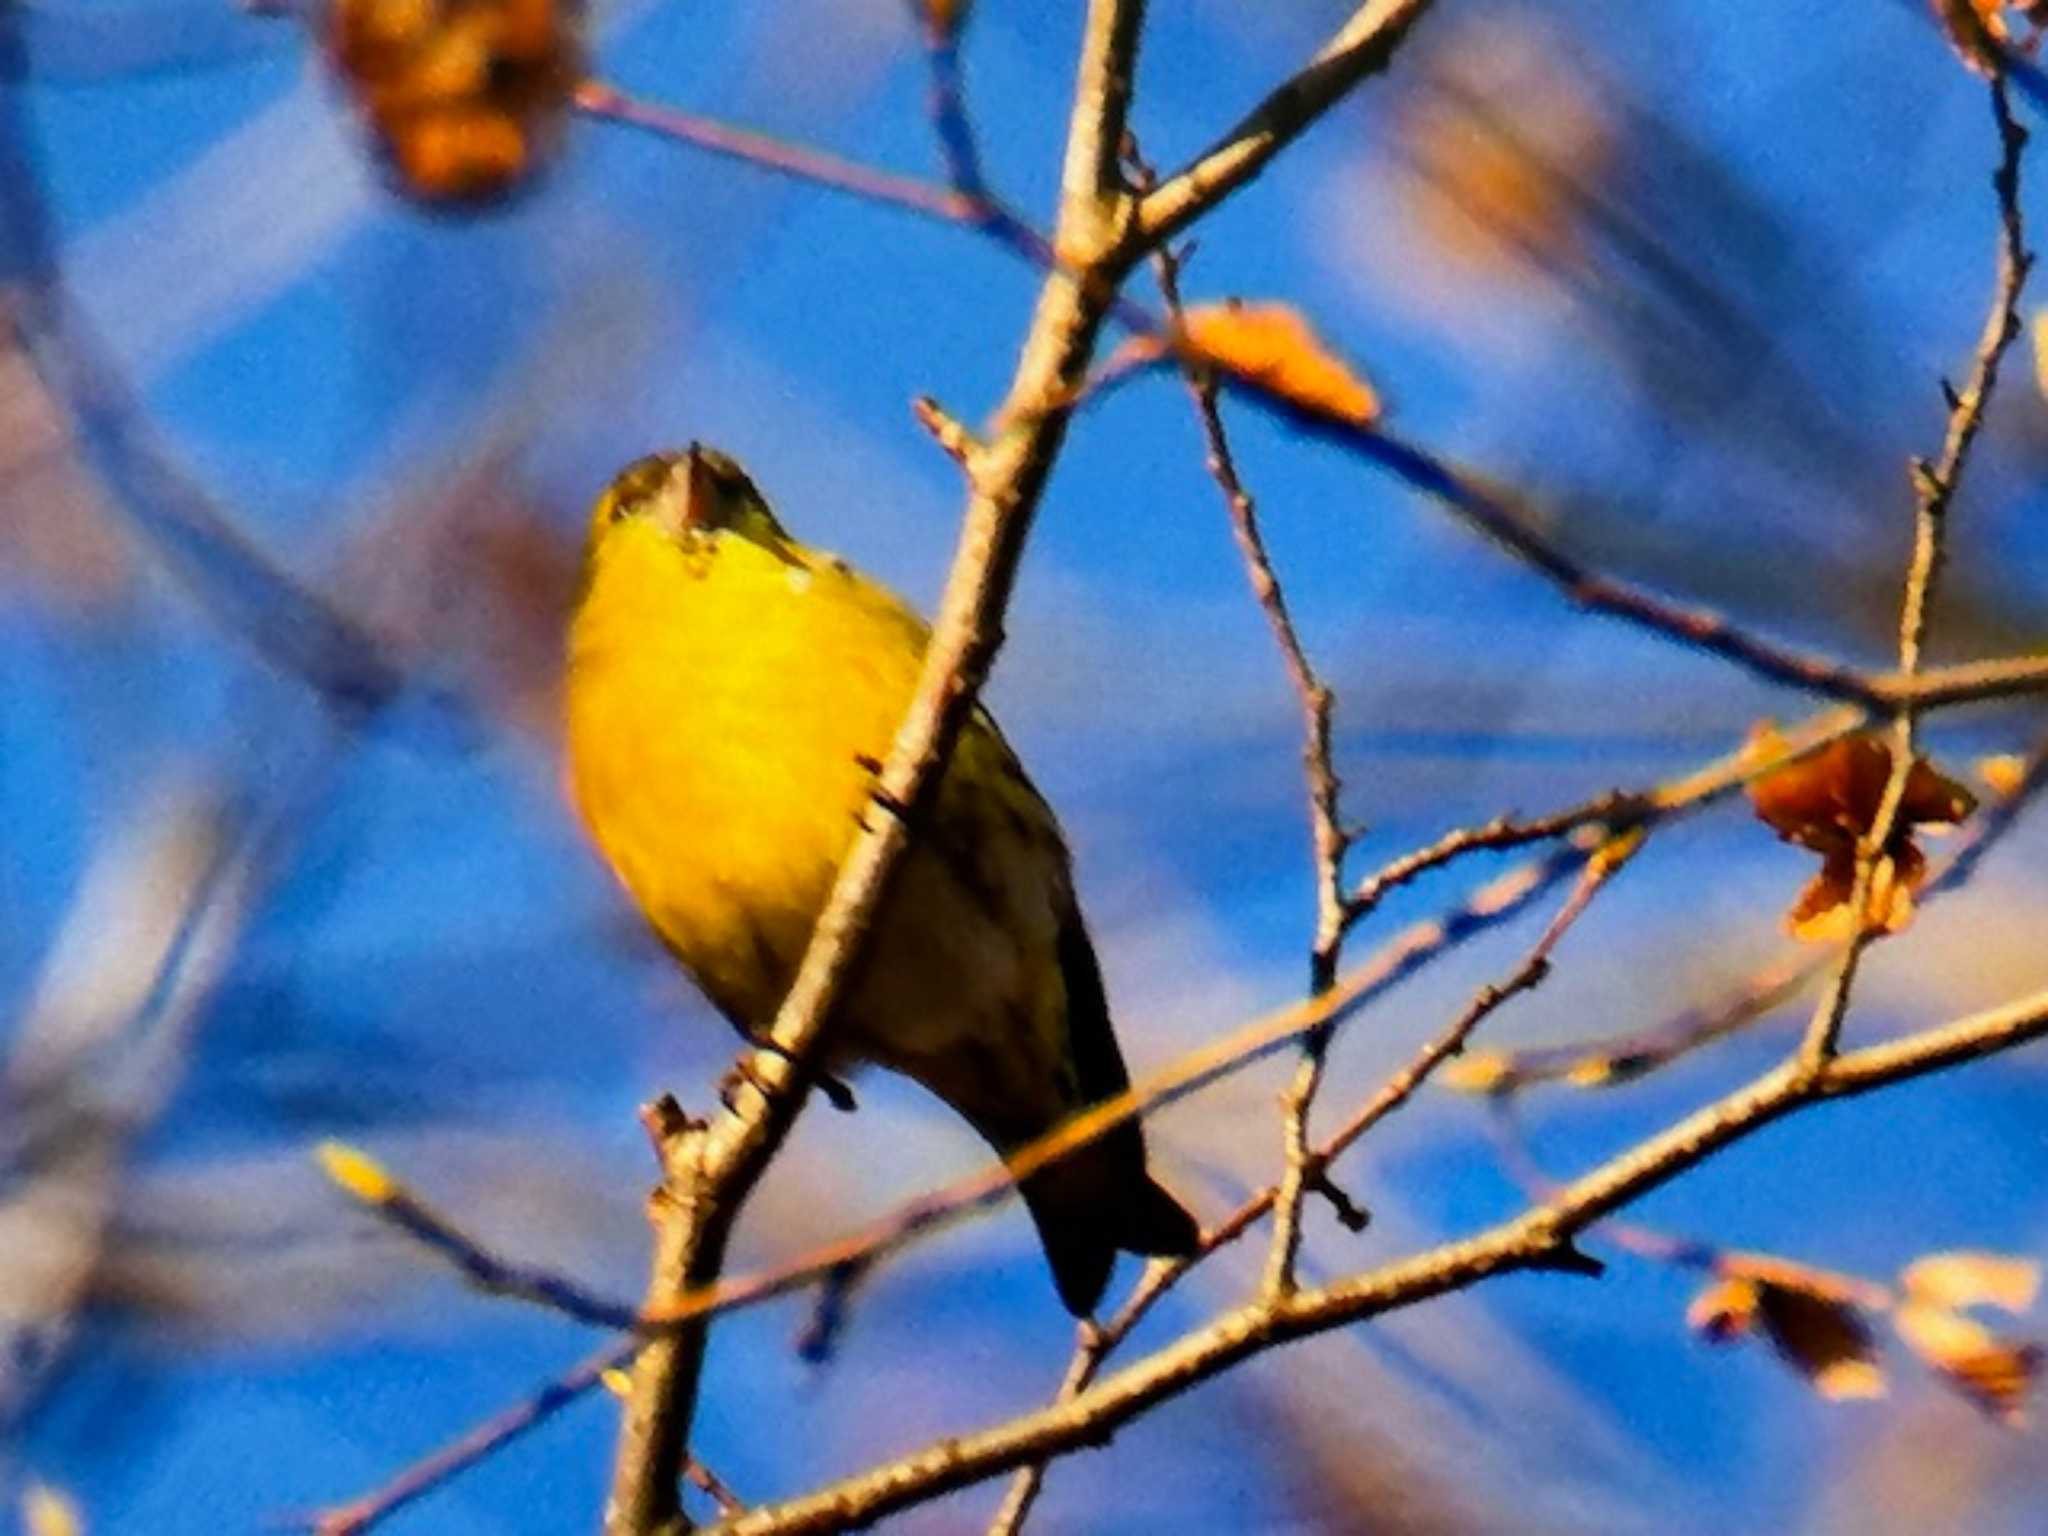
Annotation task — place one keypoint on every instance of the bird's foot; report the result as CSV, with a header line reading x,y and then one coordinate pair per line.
x,y
836,1092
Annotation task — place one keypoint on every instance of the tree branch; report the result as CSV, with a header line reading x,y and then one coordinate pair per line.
x,y
1328,839
723,1160
1486,509
1532,1240
1935,488
1491,904
1361,47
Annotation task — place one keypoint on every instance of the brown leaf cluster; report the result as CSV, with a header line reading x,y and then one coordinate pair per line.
x,y
465,98
1814,1325
1995,1372
1828,802
1820,1323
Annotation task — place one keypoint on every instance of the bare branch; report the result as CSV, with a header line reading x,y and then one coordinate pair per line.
x,y
1487,509
1361,47
1006,478
1098,1342
1618,1059
1327,837
1532,1240
1613,809
595,99
468,1449
1935,488
1493,903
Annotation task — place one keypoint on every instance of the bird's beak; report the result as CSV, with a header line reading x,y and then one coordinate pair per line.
x,y
687,497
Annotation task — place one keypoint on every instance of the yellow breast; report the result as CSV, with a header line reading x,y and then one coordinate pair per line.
x,y
722,699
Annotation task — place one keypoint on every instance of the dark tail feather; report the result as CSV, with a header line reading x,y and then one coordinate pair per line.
x,y
1157,1224
1089,1206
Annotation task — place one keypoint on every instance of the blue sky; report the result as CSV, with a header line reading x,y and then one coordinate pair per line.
x,y
430,963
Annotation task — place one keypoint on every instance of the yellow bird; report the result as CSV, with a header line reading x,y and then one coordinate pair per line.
x,y
730,694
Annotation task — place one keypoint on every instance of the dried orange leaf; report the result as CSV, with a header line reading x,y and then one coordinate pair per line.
x,y
1970,1279
1995,1373
464,98
1828,802
1815,1330
1272,346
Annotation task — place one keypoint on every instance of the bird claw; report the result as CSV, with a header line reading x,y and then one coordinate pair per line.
x,y
837,1093
741,1071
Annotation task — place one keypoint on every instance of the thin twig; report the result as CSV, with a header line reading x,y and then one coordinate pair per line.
x,y
1493,903
780,156
1328,838
1532,1240
714,1487
1934,487
491,1436
1362,47
685,1309
465,1451
1005,479
1623,1058
1613,809
1097,1343
1466,495
1683,1252
946,100
947,431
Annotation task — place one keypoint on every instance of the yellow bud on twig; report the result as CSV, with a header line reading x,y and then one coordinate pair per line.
x,y
356,1172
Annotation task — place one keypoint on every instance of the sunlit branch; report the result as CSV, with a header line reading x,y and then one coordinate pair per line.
x,y
1097,1343
1617,1059
1361,47
1533,1240
1497,901
1934,487
1488,509
1328,839
709,1170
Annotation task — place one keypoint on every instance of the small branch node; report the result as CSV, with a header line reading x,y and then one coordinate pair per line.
x,y
1350,1215
961,445
666,1123
1565,1257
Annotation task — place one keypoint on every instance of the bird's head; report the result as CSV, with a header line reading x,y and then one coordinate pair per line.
x,y
699,490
